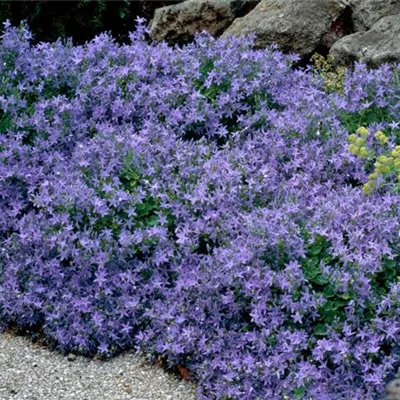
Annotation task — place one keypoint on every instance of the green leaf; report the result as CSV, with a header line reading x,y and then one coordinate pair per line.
x,y
152,221
329,292
299,393
320,279
315,249
311,270
346,296
320,329
5,122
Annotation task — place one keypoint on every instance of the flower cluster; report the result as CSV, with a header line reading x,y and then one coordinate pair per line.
x,y
357,143
386,170
200,204
333,76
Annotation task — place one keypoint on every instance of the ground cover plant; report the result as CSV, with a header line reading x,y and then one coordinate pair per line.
x,y
209,205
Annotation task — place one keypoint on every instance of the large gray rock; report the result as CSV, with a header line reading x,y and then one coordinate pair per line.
x,y
378,45
295,25
179,23
368,12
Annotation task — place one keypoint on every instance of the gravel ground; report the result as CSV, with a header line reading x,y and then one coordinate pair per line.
x,y
31,372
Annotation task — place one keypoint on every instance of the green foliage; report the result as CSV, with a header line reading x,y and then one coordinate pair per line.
x,y
210,92
299,393
147,210
5,122
366,117
335,299
389,274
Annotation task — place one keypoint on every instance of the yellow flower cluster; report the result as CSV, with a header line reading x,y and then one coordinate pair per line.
x,y
386,165
381,137
369,187
357,143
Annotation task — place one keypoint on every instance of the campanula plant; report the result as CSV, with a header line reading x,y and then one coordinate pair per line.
x,y
206,205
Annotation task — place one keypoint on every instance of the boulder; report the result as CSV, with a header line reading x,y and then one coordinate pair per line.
x,y
367,12
378,45
295,25
180,22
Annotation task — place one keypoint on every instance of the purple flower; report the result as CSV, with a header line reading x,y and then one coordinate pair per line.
x,y
199,203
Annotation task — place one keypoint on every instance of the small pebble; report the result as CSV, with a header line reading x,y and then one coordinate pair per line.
x,y
55,377
393,390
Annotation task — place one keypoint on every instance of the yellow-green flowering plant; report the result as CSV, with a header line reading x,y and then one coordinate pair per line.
x,y
386,165
332,75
